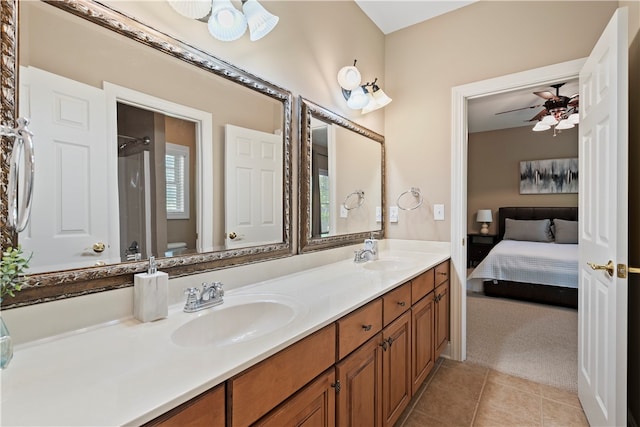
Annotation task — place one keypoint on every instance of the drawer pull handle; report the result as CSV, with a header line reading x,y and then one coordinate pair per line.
x,y
442,273
390,341
383,345
402,303
366,328
337,386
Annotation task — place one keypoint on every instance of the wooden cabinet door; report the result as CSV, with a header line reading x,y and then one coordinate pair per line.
x,y
208,409
313,406
441,317
396,369
423,345
359,401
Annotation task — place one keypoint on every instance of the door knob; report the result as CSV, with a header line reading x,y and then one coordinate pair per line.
x,y
608,267
98,247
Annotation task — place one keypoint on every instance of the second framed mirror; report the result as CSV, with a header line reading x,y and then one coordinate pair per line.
x,y
341,180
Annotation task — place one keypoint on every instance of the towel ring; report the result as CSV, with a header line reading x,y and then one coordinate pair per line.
x,y
360,195
415,192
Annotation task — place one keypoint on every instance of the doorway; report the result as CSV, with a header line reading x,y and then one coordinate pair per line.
x,y
459,150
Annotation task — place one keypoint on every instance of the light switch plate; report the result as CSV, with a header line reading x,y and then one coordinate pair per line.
x,y
438,212
393,214
378,214
344,213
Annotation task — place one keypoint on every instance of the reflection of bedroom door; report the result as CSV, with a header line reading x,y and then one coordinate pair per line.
x,y
603,151
253,187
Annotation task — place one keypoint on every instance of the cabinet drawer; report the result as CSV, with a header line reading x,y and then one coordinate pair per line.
x,y
262,387
356,328
396,302
206,409
442,272
422,285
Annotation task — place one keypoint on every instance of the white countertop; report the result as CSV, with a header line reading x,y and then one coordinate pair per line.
x,y
126,372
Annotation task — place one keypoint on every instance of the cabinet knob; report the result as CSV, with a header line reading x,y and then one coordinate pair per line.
x,y
366,328
383,345
402,303
337,386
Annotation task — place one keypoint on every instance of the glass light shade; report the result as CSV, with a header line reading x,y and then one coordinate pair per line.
x,y
194,9
226,22
349,77
574,118
540,127
549,120
260,21
358,98
372,105
381,98
565,124
484,215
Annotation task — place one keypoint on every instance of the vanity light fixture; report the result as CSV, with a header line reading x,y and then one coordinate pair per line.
x,y
224,21
368,96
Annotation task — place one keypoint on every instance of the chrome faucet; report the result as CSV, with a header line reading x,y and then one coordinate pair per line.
x,y
363,255
210,296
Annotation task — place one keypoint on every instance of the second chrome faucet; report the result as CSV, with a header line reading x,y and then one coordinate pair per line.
x,y
211,295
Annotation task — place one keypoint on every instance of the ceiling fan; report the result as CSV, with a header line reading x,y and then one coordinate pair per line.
x,y
559,110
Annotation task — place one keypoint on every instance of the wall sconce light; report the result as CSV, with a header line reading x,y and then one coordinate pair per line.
x,y
484,216
358,95
224,21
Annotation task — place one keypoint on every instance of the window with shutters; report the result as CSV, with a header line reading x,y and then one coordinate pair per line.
x,y
177,178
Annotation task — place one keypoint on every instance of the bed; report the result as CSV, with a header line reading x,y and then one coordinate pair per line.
x,y
527,266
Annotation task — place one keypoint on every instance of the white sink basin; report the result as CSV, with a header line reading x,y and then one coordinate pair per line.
x,y
388,264
241,318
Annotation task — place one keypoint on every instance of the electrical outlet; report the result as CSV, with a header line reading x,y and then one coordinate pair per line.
x,y
393,214
378,214
438,212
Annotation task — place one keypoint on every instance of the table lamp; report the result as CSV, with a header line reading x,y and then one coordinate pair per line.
x,y
484,216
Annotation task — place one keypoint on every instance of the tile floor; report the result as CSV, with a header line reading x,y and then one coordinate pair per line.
x,y
463,394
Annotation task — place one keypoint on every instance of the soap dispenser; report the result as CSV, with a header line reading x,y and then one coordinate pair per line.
x,y
150,294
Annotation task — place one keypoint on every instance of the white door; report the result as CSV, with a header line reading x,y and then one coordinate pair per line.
x,y
253,187
603,151
70,177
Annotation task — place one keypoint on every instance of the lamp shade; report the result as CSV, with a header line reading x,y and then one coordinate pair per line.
x,y
372,105
349,77
260,21
357,98
484,215
549,120
381,98
565,124
574,118
194,9
226,22
540,127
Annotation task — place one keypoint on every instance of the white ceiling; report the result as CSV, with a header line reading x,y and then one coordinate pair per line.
x,y
393,15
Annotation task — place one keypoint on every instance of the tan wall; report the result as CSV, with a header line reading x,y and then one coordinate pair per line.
x,y
493,179
480,41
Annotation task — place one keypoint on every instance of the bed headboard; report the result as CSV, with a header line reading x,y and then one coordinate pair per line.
x,y
568,213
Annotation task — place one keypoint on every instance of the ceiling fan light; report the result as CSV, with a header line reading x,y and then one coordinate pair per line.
x,y
194,9
260,21
540,127
549,120
349,77
574,118
358,98
565,124
226,22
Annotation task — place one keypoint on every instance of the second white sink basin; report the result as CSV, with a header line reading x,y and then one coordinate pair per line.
x,y
388,264
241,318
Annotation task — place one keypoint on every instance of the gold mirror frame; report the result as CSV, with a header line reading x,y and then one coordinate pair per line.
x,y
307,243
69,283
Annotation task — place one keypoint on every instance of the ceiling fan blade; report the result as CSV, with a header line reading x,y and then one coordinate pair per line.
x,y
539,116
546,95
520,109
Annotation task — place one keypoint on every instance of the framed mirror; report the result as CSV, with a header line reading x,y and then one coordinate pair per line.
x,y
145,146
341,180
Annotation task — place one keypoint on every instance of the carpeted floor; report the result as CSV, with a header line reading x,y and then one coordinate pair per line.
x,y
531,341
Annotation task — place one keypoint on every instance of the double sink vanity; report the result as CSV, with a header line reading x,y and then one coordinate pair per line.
x,y
273,351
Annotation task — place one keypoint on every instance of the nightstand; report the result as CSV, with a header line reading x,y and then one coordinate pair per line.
x,y
478,247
